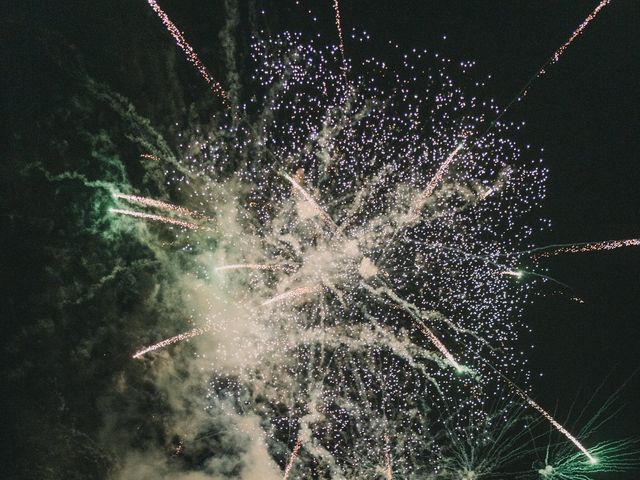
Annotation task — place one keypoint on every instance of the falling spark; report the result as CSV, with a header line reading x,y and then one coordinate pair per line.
x,y
189,52
150,202
558,53
435,180
309,199
170,341
387,457
513,273
297,292
293,456
553,422
556,56
336,7
155,218
253,266
585,247
439,345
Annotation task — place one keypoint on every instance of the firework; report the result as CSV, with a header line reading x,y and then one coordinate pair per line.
x,y
362,279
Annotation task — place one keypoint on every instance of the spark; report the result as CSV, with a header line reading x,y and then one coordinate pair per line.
x,y
292,458
336,7
148,156
189,52
170,341
553,422
558,53
155,218
253,266
309,199
295,293
588,247
387,457
435,180
513,273
150,202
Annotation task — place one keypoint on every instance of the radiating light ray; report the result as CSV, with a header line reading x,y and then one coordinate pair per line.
x,y
170,341
589,247
294,454
150,202
439,345
551,61
387,457
310,200
435,180
253,266
189,52
336,8
552,421
291,294
155,218
418,321
558,53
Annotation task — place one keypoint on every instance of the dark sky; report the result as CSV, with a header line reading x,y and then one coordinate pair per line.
x,y
584,113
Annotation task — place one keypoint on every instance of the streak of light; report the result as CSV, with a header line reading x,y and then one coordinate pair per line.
x,y
295,293
189,52
553,422
253,266
387,458
294,454
336,7
551,61
513,273
435,180
417,317
439,345
150,202
155,218
170,341
585,247
558,53
148,156
309,199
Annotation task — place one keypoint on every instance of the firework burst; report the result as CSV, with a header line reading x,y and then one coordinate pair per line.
x,y
365,249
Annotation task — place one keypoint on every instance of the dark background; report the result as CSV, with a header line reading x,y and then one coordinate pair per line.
x,y
584,113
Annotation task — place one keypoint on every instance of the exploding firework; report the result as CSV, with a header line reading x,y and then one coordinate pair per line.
x,y
360,259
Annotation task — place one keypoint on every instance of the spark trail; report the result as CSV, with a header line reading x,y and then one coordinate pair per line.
x,y
336,8
252,266
558,53
150,202
155,218
294,454
189,52
587,247
554,422
291,294
170,341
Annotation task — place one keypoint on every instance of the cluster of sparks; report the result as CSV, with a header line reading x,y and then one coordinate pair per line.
x,y
375,222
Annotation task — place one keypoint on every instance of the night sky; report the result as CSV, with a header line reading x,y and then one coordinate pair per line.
x,y
584,112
